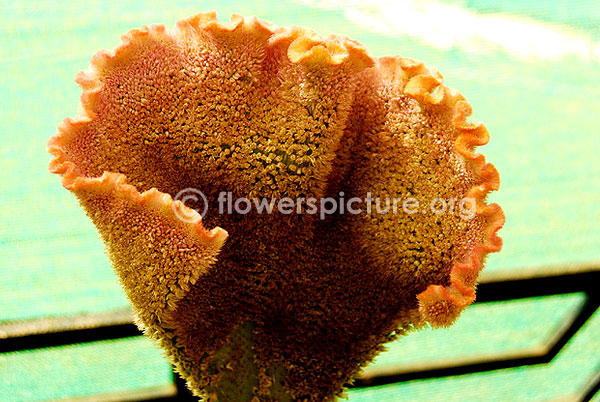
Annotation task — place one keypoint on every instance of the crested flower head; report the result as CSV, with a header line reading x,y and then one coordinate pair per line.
x,y
286,305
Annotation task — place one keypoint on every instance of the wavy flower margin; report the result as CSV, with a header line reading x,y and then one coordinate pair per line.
x,y
441,305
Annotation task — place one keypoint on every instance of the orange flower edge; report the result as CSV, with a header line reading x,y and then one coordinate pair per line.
x,y
281,306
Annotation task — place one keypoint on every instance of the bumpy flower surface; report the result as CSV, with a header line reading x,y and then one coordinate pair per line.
x,y
277,307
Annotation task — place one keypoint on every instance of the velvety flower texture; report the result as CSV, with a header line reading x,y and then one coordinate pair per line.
x,y
276,307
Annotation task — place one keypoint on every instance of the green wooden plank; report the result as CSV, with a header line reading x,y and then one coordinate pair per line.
x,y
59,276
566,377
484,332
97,368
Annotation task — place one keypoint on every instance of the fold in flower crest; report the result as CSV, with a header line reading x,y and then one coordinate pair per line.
x,y
278,306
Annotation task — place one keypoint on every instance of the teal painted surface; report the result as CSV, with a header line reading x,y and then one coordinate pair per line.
x,y
484,331
45,283
569,372
81,370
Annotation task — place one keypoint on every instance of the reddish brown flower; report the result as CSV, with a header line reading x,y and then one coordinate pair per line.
x,y
291,305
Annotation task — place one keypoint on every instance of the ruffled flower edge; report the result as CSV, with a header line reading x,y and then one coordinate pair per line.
x,y
440,305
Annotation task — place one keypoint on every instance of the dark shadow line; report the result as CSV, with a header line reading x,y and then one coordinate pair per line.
x,y
590,306
540,286
593,390
50,339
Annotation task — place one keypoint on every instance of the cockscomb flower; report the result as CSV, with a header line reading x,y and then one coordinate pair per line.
x,y
288,305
